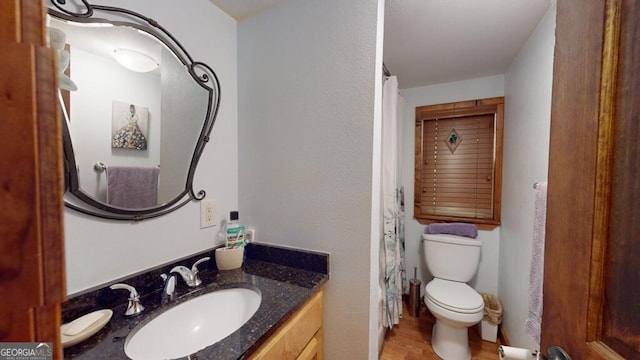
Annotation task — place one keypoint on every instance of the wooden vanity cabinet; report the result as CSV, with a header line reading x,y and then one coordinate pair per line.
x,y
300,338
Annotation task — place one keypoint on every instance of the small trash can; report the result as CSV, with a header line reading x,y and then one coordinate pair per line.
x,y
492,317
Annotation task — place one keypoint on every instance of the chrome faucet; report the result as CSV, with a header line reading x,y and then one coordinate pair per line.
x,y
134,306
190,277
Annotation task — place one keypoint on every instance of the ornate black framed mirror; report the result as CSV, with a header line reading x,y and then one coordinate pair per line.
x,y
138,112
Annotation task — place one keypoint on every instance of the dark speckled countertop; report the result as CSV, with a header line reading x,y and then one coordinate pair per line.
x,y
286,279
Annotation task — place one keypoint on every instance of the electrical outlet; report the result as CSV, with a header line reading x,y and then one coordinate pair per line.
x,y
207,214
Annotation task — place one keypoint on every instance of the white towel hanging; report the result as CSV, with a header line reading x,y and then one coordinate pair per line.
x,y
536,275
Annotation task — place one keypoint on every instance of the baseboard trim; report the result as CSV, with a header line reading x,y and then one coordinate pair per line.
x,y
504,340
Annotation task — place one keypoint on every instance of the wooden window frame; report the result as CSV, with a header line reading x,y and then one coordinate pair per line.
x,y
493,106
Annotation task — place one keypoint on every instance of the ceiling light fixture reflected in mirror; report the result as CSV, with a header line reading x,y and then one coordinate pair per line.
x,y
135,60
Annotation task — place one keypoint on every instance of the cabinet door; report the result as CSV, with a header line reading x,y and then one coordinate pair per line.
x,y
311,351
293,338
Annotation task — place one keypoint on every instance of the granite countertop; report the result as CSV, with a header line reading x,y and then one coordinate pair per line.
x,y
286,282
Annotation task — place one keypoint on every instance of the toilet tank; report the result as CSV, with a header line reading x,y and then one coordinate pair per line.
x,y
451,257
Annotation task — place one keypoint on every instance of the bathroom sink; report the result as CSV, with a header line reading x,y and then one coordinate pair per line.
x,y
193,325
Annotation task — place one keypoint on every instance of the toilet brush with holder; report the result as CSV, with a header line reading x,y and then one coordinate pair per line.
x,y
415,303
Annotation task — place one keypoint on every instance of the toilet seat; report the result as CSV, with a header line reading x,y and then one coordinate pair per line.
x,y
454,296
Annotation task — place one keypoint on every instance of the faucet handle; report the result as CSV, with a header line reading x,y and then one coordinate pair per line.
x,y
134,306
133,294
194,270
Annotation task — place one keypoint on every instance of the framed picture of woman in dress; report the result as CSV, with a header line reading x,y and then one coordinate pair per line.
x,y
129,126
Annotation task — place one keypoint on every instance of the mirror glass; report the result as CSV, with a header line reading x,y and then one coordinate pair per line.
x,y
137,117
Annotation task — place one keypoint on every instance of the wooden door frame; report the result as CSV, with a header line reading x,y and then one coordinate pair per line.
x,y
32,275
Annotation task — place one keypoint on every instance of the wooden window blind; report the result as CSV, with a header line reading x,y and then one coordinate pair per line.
x,y
459,185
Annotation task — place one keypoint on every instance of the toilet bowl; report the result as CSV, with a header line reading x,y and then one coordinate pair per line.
x,y
453,261
456,306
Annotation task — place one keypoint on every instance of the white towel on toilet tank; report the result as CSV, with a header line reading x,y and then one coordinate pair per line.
x,y
536,275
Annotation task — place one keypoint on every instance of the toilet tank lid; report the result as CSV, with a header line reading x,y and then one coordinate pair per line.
x,y
452,239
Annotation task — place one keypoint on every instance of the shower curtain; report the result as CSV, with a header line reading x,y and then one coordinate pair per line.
x,y
393,271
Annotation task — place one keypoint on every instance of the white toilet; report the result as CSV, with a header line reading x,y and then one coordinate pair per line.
x,y
453,261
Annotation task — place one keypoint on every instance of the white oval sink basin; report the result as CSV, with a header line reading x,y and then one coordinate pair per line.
x,y
193,325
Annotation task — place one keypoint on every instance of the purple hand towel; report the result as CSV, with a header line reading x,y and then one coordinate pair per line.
x,y
459,229
132,187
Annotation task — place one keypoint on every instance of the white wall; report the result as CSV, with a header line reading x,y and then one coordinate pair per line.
x,y
486,279
307,89
526,151
98,251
